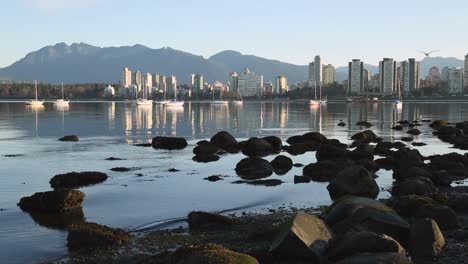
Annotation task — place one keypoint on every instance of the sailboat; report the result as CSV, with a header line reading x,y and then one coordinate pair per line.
x,y
163,101
35,102
174,102
144,101
62,102
218,102
315,101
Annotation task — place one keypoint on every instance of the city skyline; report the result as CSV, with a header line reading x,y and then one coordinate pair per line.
x,y
106,23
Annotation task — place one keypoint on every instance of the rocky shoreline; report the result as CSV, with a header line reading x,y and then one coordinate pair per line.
x,y
424,220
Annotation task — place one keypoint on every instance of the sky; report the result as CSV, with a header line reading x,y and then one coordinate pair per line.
x,y
292,31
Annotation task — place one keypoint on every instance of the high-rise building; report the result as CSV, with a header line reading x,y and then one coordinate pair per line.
x,y
410,75
149,83
455,80
249,83
192,79
367,77
198,84
356,76
162,87
434,74
329,74
137,80
268,88
315,71
126,78
388,76
171,83
444,74
281,85
466,72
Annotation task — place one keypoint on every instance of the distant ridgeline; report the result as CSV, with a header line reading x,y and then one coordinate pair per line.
x,y
13,90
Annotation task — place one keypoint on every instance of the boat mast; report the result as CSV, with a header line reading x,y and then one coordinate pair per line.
x,y
315,90
62,92
35,87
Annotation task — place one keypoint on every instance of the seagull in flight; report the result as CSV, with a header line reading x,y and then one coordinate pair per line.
x,y
428,54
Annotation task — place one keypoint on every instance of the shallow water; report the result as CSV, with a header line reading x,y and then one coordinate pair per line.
x,y
125,200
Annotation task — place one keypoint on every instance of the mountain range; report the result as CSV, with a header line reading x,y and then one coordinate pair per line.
x,y
84,63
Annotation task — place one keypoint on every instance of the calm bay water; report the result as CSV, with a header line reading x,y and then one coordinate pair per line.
x,y
125,200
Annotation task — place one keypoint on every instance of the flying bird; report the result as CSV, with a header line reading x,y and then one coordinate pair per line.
x,y
428,54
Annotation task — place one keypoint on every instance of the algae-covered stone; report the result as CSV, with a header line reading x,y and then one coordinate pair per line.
x,y
303,237
53,201
426,240
206,254
92,235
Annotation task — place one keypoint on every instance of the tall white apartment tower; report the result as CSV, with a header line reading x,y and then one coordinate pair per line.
x,y
410,74
388,76
356,76
126,78
315,70
329,74
455,81
466,72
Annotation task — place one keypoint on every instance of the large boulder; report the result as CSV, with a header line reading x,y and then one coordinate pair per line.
x,y
303,237
254,168
406,158
359,213
204,254
205,158
77,179
414,185
354,243
301,148
366,136
169,143
70,138
330,152
445,217
426,240
459,203
256,147
282,164
275,142
414,132
200,220
311,137
376,258
353,180
57,201
363,151
326,170
225,141
437,124
408,205
92,235
205,148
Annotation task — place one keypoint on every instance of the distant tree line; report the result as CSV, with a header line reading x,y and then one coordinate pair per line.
x,y
71,91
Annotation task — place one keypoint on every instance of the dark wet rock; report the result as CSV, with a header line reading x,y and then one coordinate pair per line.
x,y
406,158
275,142
256,147
254,168
364,124
173,170
406,139
301,148
311,137
363,151
70,138
114,159
399,145
359,213
376,258
418,144
266,183
298,165
213,178
92,235
124,169
353,180
459,203
205,158
282,164
201,220
398,127
303,237
404,122
330,152
169,143
225,141
341,124
367,136
370,165
411,173
460,142
144,145
426,240
354,243
13,155
408,205
445,217
383,148
301,179
205,149
414,186
438,124
455,157
325,171
387,163
337,143
77,179
59,220
204,254
57,201
414,132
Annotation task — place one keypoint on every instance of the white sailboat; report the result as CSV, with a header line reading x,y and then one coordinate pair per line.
x,y
62,102
144,101
163,101
35,102
174,102
315,101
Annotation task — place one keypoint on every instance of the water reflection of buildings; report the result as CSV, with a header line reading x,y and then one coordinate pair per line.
x,y
111,115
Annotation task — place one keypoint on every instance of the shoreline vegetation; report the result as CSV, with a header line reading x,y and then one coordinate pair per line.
x,y
423,221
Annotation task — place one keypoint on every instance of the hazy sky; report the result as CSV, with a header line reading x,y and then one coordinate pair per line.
x,y
291,31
